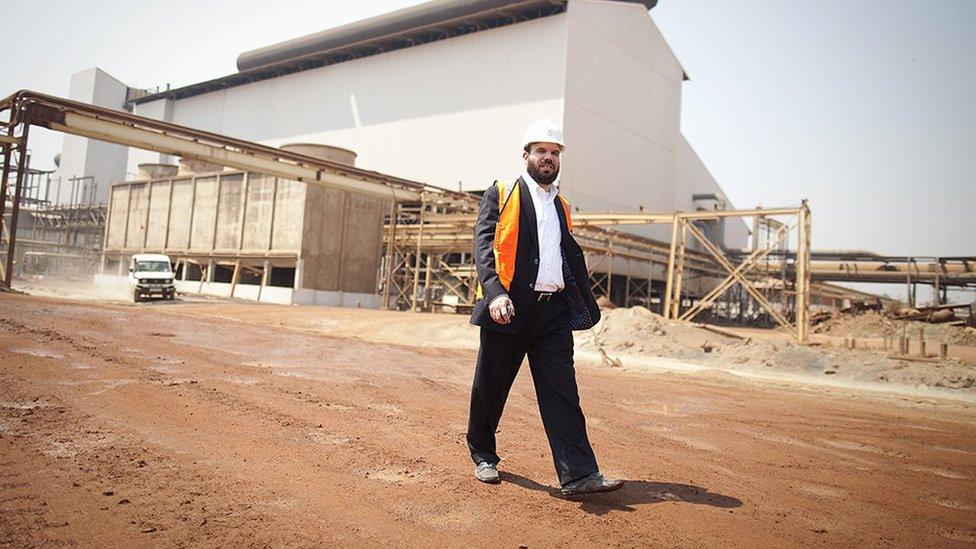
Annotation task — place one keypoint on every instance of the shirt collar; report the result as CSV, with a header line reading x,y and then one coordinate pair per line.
x,y
535,186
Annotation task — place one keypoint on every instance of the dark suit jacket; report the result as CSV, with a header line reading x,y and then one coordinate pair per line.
x,y
581,305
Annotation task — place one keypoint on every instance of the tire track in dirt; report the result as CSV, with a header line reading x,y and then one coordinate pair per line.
x,y
101,482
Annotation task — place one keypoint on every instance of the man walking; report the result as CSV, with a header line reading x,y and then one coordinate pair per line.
x,y
535,292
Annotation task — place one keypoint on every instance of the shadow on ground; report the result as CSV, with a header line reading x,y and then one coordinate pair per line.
x,y
634,492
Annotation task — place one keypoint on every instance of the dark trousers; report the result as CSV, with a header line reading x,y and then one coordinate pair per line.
x,y
548,341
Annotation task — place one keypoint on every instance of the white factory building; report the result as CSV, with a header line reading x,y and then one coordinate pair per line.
x,y
441,93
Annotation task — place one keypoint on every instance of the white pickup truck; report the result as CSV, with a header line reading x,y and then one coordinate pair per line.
x,y
151,275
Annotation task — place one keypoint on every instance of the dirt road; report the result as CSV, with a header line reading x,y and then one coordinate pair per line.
x,y
154,425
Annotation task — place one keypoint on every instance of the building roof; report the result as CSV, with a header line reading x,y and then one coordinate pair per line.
x,y
408,27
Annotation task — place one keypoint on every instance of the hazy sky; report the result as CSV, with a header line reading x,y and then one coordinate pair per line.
x,y
866,107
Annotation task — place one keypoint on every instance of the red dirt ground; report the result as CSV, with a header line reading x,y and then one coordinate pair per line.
x,y
154,425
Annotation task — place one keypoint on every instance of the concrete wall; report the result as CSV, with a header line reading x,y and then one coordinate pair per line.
x,y
440,113
179,215
230,211
289,215
623,100
342,240
322,241
363,237
157,215
87,157
136,216
336,236
158,218
117,218
261,190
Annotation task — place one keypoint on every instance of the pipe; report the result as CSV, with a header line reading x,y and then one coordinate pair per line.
x,y
128,129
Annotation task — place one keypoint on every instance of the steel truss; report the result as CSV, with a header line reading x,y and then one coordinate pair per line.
x,y
684,224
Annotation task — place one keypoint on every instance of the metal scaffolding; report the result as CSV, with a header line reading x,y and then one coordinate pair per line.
x,y
64,239
428,264
683,224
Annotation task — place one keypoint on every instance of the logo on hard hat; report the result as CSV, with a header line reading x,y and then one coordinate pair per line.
x,y
543,130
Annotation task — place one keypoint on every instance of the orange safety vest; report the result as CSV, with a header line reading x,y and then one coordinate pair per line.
x,y
505,245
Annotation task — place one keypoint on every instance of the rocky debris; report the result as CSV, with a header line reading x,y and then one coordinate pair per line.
x,y
637,331
874,324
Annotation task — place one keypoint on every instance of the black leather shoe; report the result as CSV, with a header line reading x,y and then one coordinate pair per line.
x,y
487,473
591,485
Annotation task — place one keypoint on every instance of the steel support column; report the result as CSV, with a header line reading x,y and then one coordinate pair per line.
x,y
420,238
672,254
803,274
15,209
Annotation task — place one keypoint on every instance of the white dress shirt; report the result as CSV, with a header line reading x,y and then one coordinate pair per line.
x,y
550,277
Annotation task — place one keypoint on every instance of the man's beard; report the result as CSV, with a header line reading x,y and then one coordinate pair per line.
x,y
541,178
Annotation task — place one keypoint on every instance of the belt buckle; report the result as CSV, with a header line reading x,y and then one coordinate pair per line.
x,y
544,296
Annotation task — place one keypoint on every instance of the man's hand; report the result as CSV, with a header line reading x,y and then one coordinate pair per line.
x,y
501,309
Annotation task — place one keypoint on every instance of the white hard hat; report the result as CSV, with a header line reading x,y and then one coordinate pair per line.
x,y
543,131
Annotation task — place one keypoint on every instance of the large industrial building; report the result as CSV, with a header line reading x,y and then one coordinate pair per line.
x,y
440,93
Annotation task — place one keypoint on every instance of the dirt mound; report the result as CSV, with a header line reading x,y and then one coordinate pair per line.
x,y
874,324
959,335
639,332
856,365
866,324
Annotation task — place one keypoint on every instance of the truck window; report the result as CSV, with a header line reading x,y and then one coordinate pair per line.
x,y
152,266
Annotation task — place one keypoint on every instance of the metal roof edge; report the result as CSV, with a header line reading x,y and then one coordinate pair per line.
x,y
408,27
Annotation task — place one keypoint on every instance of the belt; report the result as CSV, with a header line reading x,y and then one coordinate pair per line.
x,y
545,296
